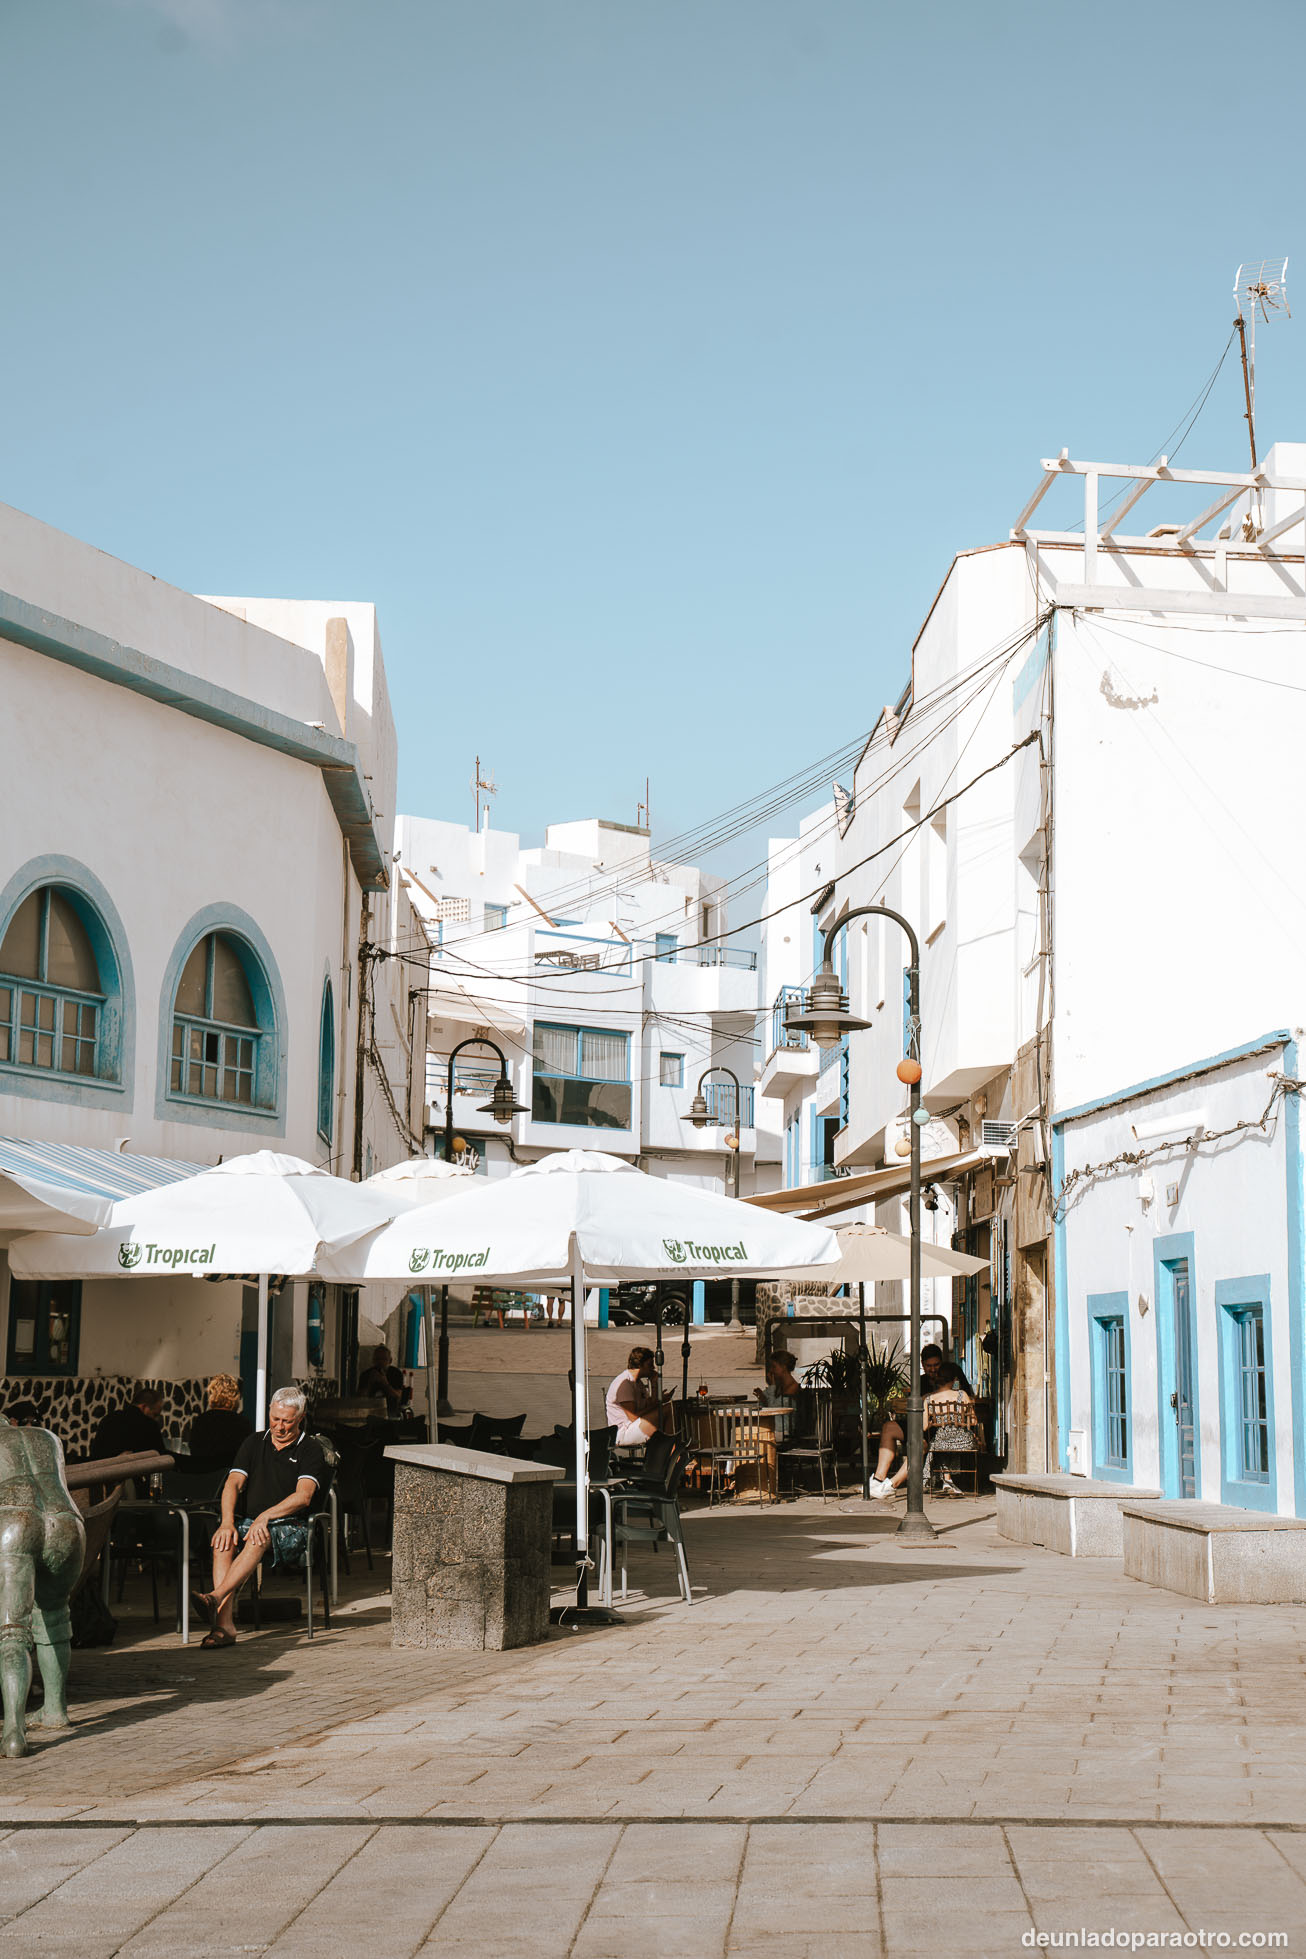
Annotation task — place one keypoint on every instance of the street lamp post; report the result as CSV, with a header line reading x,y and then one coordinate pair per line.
x,y
501,1107
700,1117
827,1019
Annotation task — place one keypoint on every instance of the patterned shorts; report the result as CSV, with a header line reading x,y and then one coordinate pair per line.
x,y
289,1541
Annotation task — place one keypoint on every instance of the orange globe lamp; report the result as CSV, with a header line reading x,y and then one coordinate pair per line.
x,y
909,1070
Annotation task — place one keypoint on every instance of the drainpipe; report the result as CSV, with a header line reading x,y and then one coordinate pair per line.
x,y
363,920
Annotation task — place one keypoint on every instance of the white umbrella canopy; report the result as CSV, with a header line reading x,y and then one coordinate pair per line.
x,y
868,1252
421,1180
581,1204
264,1212
598,1219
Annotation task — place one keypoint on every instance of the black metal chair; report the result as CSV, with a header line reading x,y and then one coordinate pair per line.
x,y
818,1449
646,1511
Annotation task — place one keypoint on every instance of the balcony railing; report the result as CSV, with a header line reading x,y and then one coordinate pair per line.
x,y
782,1036
721,1103
722,955
469,1078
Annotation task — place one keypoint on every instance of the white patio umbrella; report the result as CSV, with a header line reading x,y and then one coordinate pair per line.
x,y
260,1213
599,1220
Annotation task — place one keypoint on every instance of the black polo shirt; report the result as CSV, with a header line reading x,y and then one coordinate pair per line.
x,y
272,1474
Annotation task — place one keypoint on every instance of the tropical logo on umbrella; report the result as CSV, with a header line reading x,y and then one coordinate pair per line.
x,y
130,1256
440,1260
681,1252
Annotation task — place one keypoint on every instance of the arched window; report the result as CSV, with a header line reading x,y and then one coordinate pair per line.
x,y
52,990
326,1064
222,1028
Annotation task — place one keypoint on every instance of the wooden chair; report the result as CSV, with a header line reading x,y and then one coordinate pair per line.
x,y
958,1415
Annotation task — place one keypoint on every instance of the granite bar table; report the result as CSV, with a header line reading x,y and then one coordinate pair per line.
x,y
471,1563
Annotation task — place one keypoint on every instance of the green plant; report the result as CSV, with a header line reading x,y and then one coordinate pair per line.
x,y
886,1376
837,1370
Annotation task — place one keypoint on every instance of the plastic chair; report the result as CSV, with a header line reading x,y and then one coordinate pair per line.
x,y
495,1433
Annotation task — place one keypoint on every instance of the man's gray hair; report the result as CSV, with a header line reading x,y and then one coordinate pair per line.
x,y
289,1398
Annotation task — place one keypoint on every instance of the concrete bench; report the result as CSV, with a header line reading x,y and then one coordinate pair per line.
x,y
1074,1515
1213,1552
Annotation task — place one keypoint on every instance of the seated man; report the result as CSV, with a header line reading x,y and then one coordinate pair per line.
x,y
265,1501
383,1379
632,1400
134,1430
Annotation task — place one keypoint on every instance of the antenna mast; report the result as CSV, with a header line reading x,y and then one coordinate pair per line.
x,y
482,786
1261,285
643,816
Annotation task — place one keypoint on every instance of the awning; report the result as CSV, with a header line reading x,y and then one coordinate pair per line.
x,y
63,1187
846,1193
452,1004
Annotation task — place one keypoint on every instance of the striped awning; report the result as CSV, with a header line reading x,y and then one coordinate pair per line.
x,y
64,1187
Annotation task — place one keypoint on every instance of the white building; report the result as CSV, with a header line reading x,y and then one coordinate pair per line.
x,y
195,895
1084,803
604,978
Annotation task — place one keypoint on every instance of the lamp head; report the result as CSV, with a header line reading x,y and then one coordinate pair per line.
x,y
501,1106
825,1016
698,1110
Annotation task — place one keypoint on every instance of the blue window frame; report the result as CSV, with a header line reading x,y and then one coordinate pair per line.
x,y
221,1041
671,1070
1246,1392
1108,1321
326,1065
664,948
581,1077
52,995
44,1326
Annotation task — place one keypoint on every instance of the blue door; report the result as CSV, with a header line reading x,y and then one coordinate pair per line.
x,y
1181,1398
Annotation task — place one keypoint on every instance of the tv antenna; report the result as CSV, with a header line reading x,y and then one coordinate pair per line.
x,y
1259,286
482,785
643,817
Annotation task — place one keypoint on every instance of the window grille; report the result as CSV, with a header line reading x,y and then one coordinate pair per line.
x,y
51,991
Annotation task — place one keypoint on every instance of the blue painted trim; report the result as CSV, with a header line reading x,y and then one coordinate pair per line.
x,y
1245,1493
1061,1308
125,666
169,1107
1032,670
1104,1307
605,1303
1296,1222
108,937
1166,1252
1280,1038
326,1064
699,1308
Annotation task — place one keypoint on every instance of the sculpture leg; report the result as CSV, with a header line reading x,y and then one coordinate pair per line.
x,y
61,1566
20,1535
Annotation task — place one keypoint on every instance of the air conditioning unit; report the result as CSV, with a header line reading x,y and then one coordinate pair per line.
x,y
997,1135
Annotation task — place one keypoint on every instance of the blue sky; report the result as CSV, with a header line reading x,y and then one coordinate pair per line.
x,y
644,360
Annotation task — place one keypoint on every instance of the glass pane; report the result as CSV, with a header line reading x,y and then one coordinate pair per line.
x,y
69,960
603,1057
191,987
20,949
555,1050
596,1105
45,1050
46,1012
232,1002
176,1076
178,1037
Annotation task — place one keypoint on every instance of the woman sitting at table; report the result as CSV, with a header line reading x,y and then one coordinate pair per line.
x,y
784,1391
214,1437
632,1403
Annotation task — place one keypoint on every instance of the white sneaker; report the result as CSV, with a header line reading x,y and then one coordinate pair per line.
x,y
881,1490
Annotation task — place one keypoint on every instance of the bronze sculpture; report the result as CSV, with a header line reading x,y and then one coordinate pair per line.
x,y
42,1541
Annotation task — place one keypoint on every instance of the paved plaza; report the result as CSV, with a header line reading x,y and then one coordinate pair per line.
x,y
842,1747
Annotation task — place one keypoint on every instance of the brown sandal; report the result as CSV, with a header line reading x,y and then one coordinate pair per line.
x,y
217,1638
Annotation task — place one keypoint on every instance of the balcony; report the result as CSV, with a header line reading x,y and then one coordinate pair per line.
x,y
792,1059
783,1036
721,1103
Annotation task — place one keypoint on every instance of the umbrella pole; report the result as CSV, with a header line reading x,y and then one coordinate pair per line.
x,y
861,1356
428,1303
580,1416
261,1364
